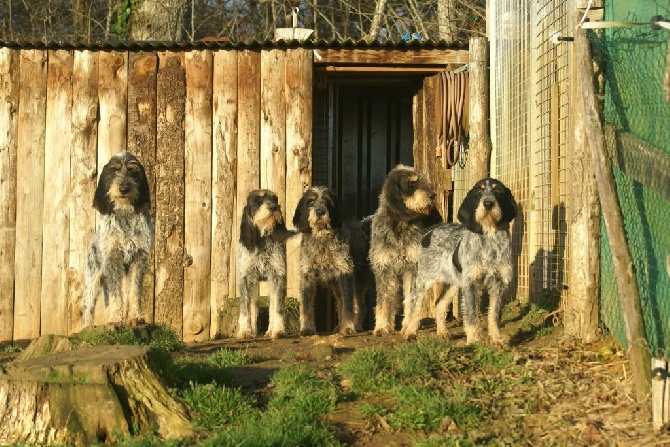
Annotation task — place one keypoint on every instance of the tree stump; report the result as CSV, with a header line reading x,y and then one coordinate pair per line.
x,y
86,395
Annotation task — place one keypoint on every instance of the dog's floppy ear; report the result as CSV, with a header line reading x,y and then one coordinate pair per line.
x,y
395,187
143,186
507,204
334,211
466,212
249,234
433,218
101,200
302,214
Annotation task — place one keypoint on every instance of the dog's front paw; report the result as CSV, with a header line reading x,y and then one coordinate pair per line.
x,y
382,331
244,335
409,335
307,332
499,340
275,335
472,335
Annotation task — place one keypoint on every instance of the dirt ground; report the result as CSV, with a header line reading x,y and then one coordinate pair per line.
x,y
583,394
579,395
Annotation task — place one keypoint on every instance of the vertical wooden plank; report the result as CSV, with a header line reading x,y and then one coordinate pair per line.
x,y
298,148
169,218
9,103
197,194
273,128
248,137
142,69
273,123
112,124
83,162
56,194
30,197
113,96
224,171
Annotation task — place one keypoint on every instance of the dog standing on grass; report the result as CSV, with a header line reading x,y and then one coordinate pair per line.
x,y
261,255
406,209
333,254
119,251
472,258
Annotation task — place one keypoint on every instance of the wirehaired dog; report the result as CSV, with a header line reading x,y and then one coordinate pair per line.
x,y
406,209
261,255
119,250
472,258
333,254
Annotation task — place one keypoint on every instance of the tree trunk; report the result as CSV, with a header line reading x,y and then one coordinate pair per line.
x,y
81,14
376,20
84,396
445,12
156,20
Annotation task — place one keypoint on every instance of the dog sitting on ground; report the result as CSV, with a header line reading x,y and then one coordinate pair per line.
x,y
406,209
261,255
119,250
333,254
472,258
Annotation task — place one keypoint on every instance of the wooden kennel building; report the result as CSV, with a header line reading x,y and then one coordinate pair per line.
x,y
209,121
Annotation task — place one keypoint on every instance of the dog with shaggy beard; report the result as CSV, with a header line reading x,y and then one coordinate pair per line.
x,y
406,210
474,257
119,251
333,254
261,255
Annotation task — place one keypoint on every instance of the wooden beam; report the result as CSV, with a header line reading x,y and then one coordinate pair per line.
x,y
389,57
380,69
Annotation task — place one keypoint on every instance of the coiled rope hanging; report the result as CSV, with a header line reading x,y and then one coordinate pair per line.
x,y
451,114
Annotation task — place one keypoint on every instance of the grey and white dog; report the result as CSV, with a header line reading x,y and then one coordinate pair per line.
x,y
261,255
119,250
472,258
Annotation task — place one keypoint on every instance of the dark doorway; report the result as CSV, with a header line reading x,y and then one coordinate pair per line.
x,y
362,128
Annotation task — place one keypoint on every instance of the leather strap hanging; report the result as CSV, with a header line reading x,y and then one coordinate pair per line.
x,y
451,114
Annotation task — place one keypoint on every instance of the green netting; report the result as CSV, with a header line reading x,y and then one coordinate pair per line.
x,y
646,218
635,61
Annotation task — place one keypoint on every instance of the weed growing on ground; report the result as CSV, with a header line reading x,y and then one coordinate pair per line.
x,y
229,357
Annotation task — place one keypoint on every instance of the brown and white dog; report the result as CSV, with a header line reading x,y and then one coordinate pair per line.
x,y
406,210
333,254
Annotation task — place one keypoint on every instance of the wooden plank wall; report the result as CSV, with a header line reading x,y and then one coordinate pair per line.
x,y
208,127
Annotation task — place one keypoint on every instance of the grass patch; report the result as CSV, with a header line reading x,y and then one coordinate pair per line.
x,y
159,337
368,369
217,406
292,415
229,357
10,349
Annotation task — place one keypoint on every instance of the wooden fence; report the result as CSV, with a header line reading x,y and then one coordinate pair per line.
x,y
207,125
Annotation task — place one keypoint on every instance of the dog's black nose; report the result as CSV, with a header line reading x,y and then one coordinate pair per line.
x,y
320,211
432,195
124,189
488,204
